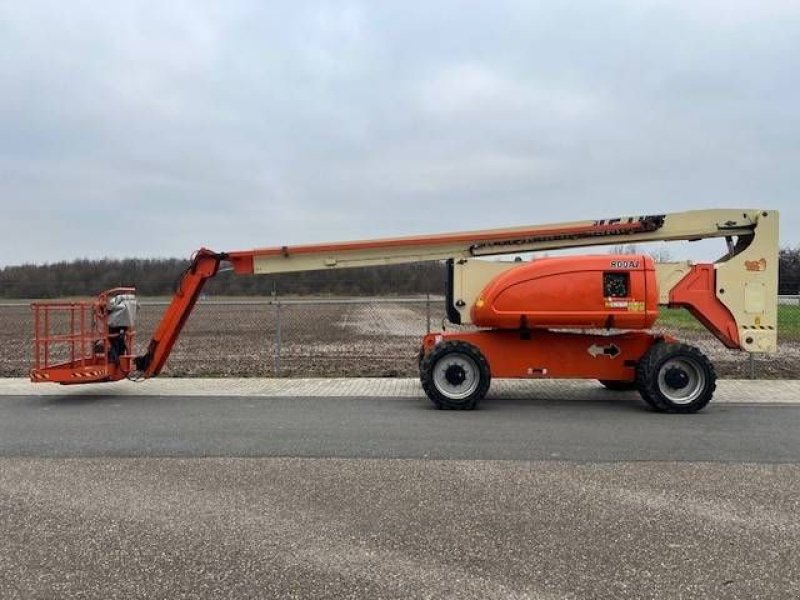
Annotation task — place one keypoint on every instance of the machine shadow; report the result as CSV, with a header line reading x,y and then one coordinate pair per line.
x,y
556,393
66,400
604,401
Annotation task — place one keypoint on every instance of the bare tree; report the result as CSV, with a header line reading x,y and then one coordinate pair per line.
x,y
623,249
661,255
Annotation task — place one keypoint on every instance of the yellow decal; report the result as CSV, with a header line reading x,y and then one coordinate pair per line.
x,y
756,265
629,305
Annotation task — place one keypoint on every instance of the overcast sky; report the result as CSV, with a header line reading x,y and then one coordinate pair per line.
x,y
154,128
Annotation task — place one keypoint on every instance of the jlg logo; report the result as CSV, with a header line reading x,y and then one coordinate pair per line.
x,y
657,219
624,264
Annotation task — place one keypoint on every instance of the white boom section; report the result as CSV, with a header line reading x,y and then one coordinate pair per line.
x,y
690,225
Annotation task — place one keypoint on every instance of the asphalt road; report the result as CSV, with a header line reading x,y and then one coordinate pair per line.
x,y
616,430
174,497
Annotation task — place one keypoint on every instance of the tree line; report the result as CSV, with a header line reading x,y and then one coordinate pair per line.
x,y
159,277
789,271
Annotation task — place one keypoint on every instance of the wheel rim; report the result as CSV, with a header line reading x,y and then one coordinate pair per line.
x,y
681,380
456,376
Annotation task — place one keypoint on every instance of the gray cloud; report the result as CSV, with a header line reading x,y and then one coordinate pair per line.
x,y
152,128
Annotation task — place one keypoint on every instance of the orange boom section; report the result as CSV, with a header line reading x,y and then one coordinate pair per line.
x,y
608,291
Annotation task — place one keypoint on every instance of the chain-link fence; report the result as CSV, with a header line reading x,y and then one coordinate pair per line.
x,y
351,337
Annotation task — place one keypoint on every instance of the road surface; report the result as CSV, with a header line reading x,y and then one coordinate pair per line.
x,y
620,429
247,496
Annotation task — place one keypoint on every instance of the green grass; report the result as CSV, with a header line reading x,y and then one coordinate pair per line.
x,y
789,321
680,318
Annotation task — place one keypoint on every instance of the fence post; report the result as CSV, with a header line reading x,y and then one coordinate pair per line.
x,y
428,310
278,336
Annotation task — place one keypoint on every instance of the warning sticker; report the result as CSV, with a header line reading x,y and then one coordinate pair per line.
x,y
617,303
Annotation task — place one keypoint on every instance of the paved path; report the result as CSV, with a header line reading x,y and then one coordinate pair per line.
x,y
736,391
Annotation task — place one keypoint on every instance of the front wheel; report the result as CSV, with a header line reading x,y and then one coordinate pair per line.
x,y
455,376
675,378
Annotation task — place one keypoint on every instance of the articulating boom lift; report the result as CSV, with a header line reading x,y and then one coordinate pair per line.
x,y
565,317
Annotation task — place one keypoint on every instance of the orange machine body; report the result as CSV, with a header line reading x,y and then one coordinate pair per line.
x,y
545,354
572,292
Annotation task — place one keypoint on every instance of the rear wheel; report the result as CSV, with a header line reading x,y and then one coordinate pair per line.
x,y
455,376
676,378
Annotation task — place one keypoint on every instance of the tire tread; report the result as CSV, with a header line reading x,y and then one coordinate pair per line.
x,y
647,377
428,363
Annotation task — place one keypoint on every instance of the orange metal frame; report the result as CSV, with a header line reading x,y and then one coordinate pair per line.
x,y
697,293
205,265
87,342
542,353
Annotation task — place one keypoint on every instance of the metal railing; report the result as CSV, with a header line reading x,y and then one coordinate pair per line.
x,y
317,337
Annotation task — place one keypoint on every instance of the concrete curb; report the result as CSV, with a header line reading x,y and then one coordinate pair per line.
x,y
729,391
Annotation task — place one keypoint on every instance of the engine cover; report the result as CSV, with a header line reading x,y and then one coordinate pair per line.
x,y
572,292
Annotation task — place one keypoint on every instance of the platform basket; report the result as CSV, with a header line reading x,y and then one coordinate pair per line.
x,y
73,343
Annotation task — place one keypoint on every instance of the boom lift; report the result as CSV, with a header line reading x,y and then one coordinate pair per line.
x,y
562,317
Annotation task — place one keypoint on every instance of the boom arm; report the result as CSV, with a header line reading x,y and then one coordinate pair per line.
x,y
691,225
204,265
754,252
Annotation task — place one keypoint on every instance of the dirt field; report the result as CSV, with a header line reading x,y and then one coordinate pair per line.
x,y
332,339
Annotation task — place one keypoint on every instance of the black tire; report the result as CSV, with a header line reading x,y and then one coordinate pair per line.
x,y
618,386
449,367
675,378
